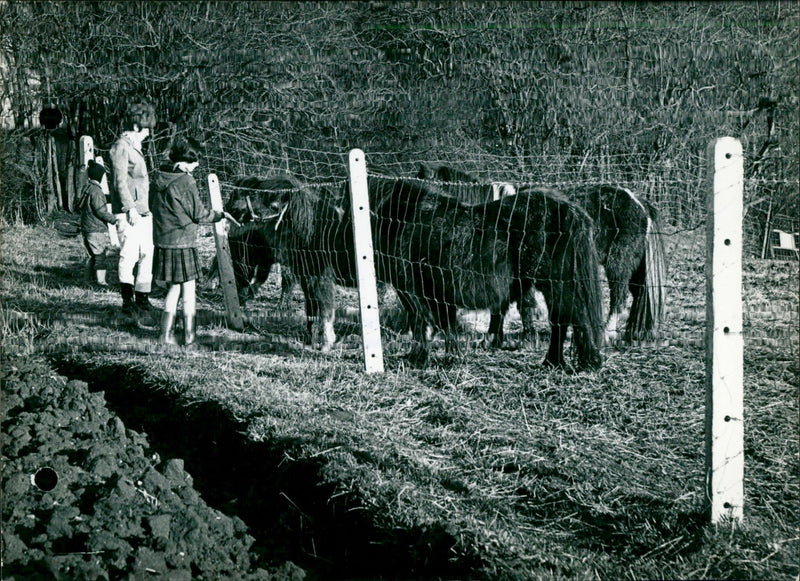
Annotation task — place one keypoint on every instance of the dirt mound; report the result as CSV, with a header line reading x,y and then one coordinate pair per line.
x,y
85,498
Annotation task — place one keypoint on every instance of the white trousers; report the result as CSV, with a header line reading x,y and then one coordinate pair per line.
x,y
136,247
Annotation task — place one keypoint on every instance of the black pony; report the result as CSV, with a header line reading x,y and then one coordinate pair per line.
x,y
438,254
307,231
468,189
441,255
253,256
631,249
629,244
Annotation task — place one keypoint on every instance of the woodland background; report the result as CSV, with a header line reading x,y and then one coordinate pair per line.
x,y
542,92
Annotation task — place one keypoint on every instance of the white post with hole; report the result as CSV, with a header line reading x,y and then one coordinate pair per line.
x,y
85,150
365,264
724,343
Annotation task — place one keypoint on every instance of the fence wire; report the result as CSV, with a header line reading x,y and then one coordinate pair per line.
x,y
276,310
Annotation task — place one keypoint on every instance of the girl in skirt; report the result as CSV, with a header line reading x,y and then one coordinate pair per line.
x,y
177,210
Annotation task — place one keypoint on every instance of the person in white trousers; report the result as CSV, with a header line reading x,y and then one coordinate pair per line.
x,y
129,202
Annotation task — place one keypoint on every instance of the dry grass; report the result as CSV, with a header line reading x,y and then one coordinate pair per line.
x,y
537,474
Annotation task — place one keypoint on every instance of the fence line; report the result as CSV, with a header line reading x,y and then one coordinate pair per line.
x,y
722,214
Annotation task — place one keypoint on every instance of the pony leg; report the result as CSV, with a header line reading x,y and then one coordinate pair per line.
x,y
555,352
311,317
640,320
288,280
531,307
419,328
320,312
329,335
496,331
618,292
447,316
588,354
495,334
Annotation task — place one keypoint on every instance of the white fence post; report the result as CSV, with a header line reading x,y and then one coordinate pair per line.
x,y
724,343
86,145
227,280
365,264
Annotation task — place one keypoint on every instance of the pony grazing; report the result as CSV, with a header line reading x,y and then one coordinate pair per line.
x,y
253,257
441,255
309,232
630,247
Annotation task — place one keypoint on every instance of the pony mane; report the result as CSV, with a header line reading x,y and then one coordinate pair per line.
x,y
550,192
282,191
301,202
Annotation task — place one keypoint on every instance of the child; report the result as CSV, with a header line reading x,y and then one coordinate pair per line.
x,y
177,210
95,218
130,189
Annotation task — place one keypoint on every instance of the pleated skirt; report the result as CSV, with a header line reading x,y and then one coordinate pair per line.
x,y
176,265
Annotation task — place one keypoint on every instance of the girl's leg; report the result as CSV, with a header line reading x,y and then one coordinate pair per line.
x,y
168,318
189,308
171,300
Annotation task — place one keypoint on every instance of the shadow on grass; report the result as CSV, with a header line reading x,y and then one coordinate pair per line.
x,y
290,511
99,325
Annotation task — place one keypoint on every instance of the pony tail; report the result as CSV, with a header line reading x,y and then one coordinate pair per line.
x,y
647,309
588,293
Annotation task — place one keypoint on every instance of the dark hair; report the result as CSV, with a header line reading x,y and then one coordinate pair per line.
x,y
140,114
95,170
185,149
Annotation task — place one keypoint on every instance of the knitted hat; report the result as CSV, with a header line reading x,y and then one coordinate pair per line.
x,y
185,149
96,170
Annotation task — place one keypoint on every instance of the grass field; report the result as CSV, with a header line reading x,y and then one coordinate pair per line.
x,y
485,466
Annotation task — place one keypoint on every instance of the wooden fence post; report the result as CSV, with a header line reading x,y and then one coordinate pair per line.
x,y
724,424
233,313
365,264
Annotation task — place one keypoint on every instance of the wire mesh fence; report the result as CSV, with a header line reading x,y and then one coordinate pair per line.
x,y
276,303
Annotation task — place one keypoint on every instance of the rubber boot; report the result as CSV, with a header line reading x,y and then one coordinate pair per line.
x,y
128,308
168,328
100,277
144,311
188,329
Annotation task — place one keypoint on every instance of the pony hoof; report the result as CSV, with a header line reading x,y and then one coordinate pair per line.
x,y
417,358
592,364
547,364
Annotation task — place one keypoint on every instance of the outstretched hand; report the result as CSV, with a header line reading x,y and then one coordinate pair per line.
x,y
231,218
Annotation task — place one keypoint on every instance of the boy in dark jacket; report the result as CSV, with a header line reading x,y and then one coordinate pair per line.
x,y
95,218
177,210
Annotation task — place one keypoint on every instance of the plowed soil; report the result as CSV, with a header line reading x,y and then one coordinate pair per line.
x,y
86,498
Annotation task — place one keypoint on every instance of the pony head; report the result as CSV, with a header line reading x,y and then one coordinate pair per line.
x,y
260,199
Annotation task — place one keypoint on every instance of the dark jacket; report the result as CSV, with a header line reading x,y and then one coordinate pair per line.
x,y
177,209
94,213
